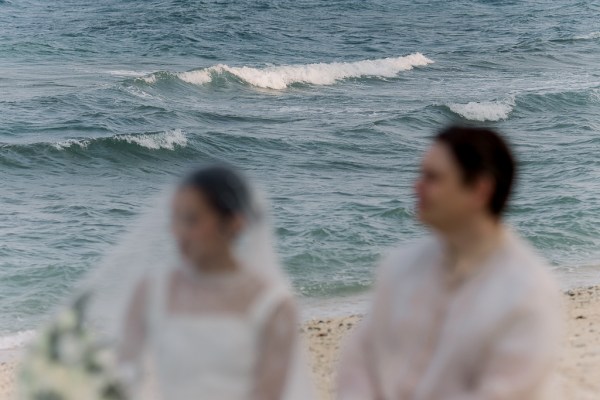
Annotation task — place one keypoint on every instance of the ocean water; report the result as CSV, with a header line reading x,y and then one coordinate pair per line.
x,y
328,104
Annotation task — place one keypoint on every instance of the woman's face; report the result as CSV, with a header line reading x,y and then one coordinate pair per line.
x,y
201,233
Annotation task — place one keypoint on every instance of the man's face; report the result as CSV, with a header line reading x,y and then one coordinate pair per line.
x,y
444,200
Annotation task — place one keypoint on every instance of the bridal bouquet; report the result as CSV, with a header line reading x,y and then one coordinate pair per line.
x,y
67,362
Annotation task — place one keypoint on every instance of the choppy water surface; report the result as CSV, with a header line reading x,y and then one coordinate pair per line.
x,y
328,103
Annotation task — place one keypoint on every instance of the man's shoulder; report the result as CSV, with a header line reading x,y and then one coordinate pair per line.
x,y
524,257
414,248
408,256
527,270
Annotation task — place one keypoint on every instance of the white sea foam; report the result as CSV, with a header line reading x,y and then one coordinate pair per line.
x,y
127,73
280,77
149,79
485,110
168,140
589,36
15,340
65,144
202,76
137,92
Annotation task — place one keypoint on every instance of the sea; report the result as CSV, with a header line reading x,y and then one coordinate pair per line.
x,y
327,104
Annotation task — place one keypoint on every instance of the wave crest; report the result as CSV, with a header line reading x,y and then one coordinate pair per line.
x,y
485,110
589,36
126,73
281,77
168,140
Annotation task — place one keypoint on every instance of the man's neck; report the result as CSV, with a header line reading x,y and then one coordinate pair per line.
x,y
471,243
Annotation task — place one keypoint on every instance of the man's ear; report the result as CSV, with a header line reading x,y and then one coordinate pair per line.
x,y
484,190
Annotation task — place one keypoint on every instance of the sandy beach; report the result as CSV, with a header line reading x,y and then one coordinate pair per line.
x,y
579,371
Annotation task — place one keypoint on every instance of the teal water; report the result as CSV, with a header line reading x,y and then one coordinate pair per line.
x,y
102,104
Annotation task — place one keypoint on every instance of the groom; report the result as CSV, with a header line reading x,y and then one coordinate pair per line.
x,y
469,313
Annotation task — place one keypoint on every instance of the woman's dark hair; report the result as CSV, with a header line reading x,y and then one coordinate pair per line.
x,y
225,189
481,152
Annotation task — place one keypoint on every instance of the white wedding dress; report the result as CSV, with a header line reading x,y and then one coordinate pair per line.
x,y
225,348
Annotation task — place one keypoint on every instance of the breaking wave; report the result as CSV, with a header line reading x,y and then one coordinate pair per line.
x,y
281,77
168,140
485,110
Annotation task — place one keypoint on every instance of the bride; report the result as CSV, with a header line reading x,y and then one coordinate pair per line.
x,y
215,319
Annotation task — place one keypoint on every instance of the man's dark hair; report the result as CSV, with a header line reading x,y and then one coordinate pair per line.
x,y
481,152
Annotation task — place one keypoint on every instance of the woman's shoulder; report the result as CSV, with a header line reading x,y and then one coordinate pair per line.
x,y
268,296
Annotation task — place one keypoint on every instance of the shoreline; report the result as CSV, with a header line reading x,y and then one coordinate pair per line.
x,y
577,370
357,303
